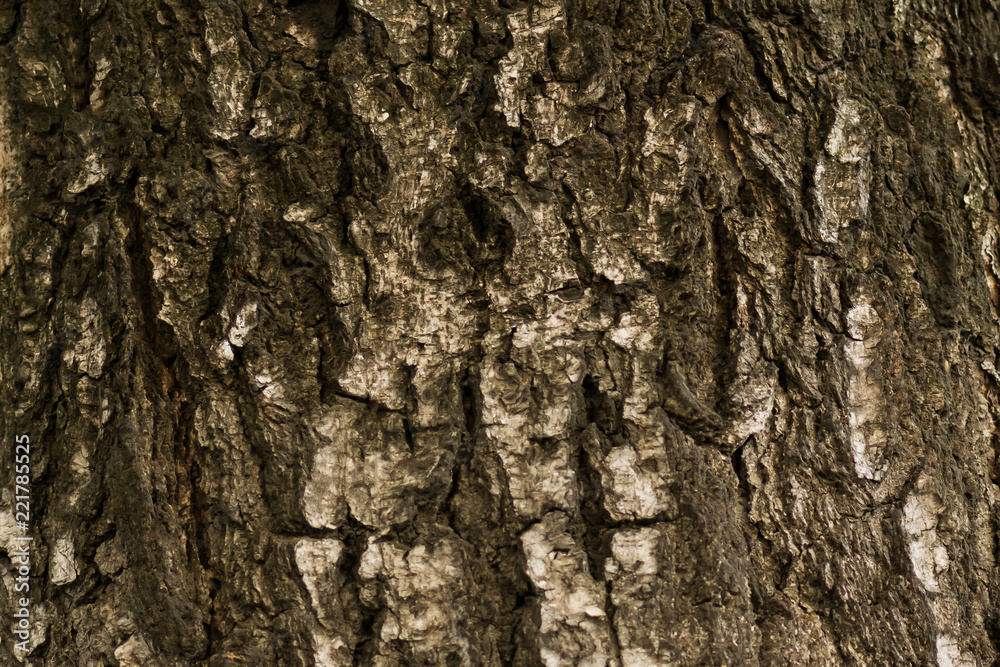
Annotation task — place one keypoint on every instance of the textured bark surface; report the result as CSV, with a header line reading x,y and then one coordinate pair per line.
x,y
474,332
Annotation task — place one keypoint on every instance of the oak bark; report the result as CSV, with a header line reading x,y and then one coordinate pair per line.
x,y
480,332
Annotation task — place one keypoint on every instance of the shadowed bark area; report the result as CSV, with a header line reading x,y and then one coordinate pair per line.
x,y
478,332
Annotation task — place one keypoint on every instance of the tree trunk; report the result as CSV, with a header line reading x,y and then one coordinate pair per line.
x,y
474,332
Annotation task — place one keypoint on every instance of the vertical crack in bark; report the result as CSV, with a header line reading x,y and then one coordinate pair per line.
x,y
158,356
80,77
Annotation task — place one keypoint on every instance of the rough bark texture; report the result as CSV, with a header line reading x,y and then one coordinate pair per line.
x,y
474,332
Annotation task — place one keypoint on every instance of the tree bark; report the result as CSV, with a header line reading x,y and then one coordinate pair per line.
x,y
479,332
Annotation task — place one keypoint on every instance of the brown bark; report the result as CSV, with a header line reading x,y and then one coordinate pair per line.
x,y
570,332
